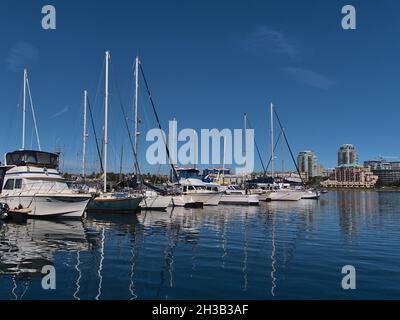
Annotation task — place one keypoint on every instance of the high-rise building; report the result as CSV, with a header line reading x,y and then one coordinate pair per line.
x,y
307,163
347,155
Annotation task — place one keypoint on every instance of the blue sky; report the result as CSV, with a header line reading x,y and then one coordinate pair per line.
x,y
208,62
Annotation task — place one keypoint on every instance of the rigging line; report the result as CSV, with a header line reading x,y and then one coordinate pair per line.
x,y
287,143
136,163
99,84
33,114
270,157
257,148
19,100
95,104
95,135
159,124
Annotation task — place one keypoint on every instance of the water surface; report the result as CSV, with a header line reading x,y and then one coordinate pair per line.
x,y
292,250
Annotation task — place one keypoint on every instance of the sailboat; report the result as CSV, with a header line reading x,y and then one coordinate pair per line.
x,y
151,200
112,202
31,183
280,191
233,194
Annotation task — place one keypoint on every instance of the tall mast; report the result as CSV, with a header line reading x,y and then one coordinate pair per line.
x,y
283,149
85,135
272,140
224,160
120,162
245,146
245,142
136,107
24,110
106,122
195,149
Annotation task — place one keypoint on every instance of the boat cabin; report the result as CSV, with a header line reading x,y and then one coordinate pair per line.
x,y
32,158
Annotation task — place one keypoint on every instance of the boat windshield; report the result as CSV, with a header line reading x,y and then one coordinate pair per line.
x,y
44,186
34,158
188,173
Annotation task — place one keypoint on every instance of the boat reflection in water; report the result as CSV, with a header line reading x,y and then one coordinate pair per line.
x,y
25,248
277,250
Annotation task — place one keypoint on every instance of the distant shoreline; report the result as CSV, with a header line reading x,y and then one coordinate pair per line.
x,y
388,189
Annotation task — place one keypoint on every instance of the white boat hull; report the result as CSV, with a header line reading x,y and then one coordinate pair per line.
x,y
240,199
285,195
207,199
312,195
47,206
157,202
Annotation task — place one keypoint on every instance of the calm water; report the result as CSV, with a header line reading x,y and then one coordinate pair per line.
x,y
275,251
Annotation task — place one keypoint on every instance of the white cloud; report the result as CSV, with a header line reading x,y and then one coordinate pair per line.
x,y
60,113
263,40
21,54
310,78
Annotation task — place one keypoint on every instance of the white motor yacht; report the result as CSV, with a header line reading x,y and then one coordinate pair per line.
x,y
32,185
194,190
283,192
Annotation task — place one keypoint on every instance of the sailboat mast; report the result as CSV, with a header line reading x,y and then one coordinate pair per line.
x,y
106,122
283,150
24,111
136,106
120,163
85,135
245,142
195,150
272,140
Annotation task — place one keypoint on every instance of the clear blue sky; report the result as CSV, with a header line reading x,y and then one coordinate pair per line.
x,y
208,62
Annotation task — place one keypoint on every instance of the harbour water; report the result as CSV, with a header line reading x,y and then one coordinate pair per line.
x,y
279,250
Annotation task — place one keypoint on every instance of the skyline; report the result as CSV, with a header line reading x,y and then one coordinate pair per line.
x,y
325,82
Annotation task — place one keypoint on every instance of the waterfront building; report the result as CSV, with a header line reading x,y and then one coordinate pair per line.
x,y
351,176
377,164
224,176
347,155
307,163
387,172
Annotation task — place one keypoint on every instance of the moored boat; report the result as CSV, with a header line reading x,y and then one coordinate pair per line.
x,y
234,195
33,184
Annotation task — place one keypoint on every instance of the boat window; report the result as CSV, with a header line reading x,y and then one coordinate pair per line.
x,y
36,158
191,188
184,189
18,184
9,184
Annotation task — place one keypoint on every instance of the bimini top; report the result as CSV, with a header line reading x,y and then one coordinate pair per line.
x,y
32,158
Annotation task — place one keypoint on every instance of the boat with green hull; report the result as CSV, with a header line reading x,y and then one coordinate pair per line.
x,y
115,203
